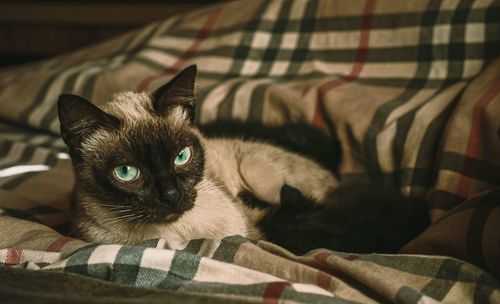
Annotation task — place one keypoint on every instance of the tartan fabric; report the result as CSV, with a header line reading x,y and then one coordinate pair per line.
x,y
411,88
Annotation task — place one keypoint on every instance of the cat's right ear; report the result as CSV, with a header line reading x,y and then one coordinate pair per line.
x,y
178,93
79,118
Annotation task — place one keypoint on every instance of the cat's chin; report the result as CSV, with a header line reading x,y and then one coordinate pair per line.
x,y
170,218
174,215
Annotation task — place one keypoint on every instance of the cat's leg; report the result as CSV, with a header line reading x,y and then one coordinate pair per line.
x,y
265,169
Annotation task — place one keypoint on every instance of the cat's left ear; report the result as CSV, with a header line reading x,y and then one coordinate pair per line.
x,y
178,92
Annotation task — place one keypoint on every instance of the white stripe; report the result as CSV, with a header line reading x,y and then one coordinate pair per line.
x,y
16,170
210,271
161,58
298,10
157,258
273,10
310,288
104,254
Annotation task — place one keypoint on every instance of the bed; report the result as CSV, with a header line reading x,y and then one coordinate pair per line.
x,y
411,88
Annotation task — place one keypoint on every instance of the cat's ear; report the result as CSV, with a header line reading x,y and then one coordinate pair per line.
x,y
79,118
178,92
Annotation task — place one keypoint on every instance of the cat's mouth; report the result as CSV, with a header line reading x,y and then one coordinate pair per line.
x,y
172,217
172,214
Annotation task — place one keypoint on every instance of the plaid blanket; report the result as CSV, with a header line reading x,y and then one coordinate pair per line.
x,y
411,88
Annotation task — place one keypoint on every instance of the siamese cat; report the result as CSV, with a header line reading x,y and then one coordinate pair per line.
x,y
144,170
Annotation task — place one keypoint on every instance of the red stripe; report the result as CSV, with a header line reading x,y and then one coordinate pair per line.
x,y
273,292
202,35
474,143
351,257
58,244
62,202
361,54
326,272
323,280
13,256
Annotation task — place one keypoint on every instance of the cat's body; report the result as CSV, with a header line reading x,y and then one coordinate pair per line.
x,y
218,211
144,170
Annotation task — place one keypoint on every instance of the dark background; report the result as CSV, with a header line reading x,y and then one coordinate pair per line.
x,y
36,29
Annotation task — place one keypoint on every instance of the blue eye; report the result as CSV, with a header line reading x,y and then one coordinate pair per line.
x,y
126,173
183,157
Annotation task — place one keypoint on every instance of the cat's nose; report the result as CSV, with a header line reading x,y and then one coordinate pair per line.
x,y
170,195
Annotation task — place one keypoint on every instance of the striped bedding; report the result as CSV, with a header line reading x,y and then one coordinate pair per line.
x,y
411,88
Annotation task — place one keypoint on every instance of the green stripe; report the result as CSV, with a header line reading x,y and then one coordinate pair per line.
x,y
127,264
408,295
441,284
228,247
77,262
184,265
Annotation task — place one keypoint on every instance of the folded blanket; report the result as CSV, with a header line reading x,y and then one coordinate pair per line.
x,y
411,88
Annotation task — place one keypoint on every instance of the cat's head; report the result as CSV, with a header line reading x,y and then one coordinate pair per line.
x,y
138,157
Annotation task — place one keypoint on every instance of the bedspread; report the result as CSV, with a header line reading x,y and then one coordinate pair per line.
x,y
411,89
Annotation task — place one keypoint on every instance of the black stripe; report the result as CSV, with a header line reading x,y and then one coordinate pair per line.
x,y
243,50
492,30
408,295
441,199
445,279
396,82
306,27
425,54
225,107
379,21
272,50
69,82
429,147
18,180
194,246
228,248
485,285
479,169
474,237
457,46
299,55
42,92
490,199
5,147
257,101
403,125
104,66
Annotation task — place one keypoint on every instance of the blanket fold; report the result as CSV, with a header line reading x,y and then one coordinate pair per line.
x,y
411,89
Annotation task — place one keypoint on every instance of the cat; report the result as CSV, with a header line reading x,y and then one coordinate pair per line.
x,y
144,170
